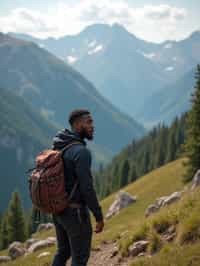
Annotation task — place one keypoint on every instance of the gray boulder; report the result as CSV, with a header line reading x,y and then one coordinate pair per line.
x,y
151,209
196,180
45,227
30,242
16,249
163,201
122,200
138,247
50,241
44,254
4,259
159,201
172,198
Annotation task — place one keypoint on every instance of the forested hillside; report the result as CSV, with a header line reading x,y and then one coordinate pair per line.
x,y
23,133
161,145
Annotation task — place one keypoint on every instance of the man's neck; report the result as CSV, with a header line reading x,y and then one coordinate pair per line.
x,y
77,134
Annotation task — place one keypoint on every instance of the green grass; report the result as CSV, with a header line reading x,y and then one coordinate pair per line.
x,y
32,260
155,242
130,221
184,250
157,183
173,255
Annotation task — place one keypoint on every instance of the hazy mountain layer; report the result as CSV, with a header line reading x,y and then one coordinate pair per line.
x,y
54,88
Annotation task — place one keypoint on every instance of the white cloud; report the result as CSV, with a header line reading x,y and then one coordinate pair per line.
x,y
151,22
26,21
96,49
161,12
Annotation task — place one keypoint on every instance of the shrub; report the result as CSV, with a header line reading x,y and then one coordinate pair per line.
x,y
141,234
161,224
162,221
190,229
155,242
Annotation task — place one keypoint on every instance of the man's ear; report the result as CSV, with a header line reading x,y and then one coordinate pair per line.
x,y
77,125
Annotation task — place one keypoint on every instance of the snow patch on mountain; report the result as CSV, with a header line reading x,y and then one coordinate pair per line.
x,y
71,59
168,45
96,49
147,55
169,68
150,55
41,45
92,44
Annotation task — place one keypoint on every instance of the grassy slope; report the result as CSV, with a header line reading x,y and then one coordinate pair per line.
x,y
157,183
184,250
160,182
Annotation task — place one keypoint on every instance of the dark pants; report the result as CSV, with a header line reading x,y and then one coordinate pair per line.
x,y
74,234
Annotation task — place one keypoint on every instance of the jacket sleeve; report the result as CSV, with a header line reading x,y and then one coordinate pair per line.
x,y
83,172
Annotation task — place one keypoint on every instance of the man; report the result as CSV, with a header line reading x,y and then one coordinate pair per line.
x,y
73,225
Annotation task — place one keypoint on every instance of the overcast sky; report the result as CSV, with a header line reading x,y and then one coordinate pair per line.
x,y
153,20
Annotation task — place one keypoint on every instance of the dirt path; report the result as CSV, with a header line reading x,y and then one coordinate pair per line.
x,y
107,255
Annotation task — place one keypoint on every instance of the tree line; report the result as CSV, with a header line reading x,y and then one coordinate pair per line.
x,y
161,145
16,224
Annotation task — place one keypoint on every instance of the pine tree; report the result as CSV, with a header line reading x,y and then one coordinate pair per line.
x,y
132,174
192,145
116,177
171,147
32,222
124,173
4,232
16,221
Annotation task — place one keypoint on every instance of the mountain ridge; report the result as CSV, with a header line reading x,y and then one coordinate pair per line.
x,y
124,68
55,89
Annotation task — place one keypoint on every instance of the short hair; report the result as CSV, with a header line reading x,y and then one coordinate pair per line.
x,y
76,114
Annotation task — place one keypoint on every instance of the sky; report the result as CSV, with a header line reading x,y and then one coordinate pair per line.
x,y
151,20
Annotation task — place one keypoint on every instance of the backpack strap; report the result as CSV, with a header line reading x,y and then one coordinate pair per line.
x,y
69,145
62,152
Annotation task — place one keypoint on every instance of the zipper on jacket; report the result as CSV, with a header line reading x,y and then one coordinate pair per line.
x,y
79,214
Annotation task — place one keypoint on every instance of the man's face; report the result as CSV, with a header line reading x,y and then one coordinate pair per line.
x,y
87,127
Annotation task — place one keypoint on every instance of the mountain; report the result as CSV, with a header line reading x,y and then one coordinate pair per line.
x,y
179,57
124,68
169,101
23,133
54,89
109,57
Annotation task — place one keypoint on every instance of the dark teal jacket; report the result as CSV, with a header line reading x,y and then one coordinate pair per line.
x,y
77,163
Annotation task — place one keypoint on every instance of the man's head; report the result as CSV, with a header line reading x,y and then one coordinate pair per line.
x,y
81,122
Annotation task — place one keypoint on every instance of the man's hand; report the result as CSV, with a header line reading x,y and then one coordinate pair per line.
x,y
99,227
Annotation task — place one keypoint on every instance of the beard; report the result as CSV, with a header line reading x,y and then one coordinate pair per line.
x,y
86,135
89,137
